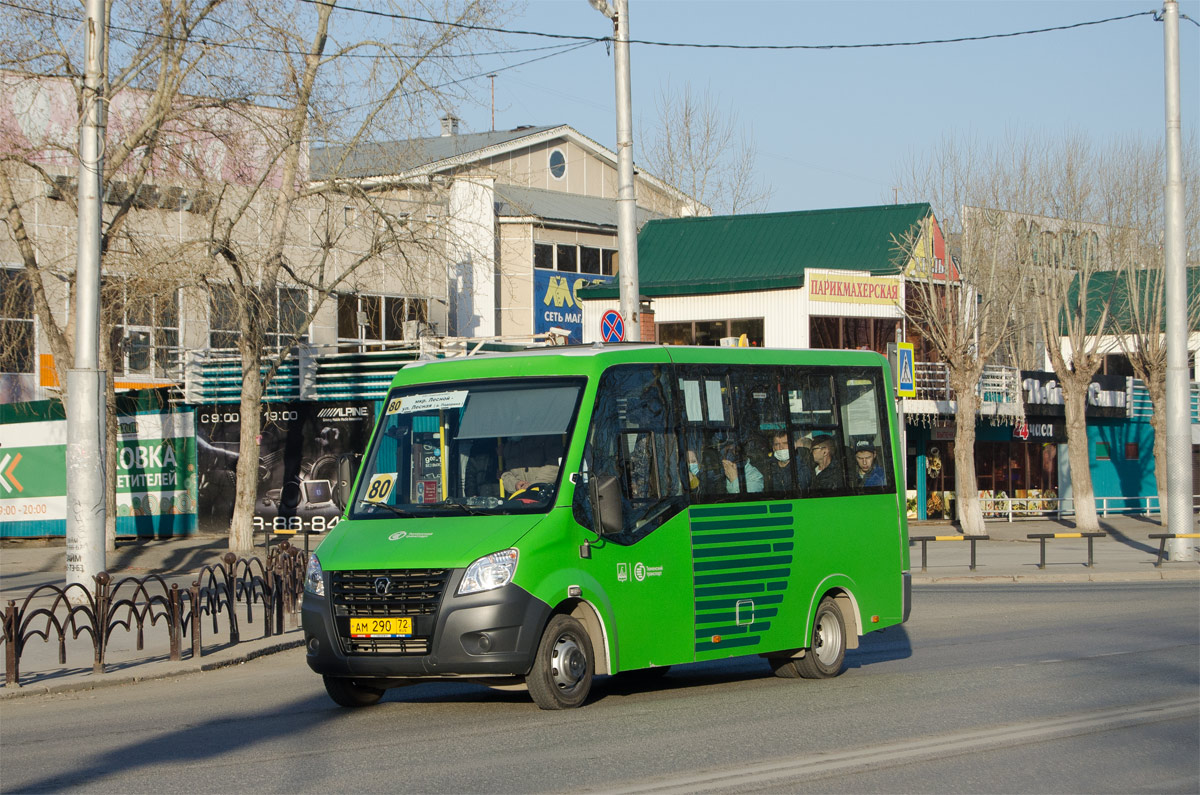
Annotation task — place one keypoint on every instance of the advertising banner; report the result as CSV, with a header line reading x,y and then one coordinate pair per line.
x,y
155,482
1044,395
299,447
556,301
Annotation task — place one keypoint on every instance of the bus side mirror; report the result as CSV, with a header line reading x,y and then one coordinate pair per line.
x,y
605,493
347,466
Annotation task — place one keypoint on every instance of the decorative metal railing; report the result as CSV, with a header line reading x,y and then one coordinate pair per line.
x,y
54,613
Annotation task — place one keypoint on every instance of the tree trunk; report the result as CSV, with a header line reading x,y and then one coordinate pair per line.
x,y
241,529
1082,494
966,492
1158,421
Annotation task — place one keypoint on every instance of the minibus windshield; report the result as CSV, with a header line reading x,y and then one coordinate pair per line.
x,y
463,448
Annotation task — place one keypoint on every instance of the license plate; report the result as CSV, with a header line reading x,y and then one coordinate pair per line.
x,y
394,627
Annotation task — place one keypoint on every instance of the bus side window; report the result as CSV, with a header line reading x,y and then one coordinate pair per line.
x,y
867,439
634,438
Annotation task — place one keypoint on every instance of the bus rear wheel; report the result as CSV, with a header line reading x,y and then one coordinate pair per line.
x,y
826,653
349,693
561,677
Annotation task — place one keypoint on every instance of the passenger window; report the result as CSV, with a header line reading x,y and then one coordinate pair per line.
x,y
815,432
634,437
867,439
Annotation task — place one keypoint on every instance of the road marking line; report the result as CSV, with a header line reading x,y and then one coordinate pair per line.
x,y
908,751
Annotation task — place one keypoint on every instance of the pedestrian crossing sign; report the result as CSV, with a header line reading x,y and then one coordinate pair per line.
x,y
906,382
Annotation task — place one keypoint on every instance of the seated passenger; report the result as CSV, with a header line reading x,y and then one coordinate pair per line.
x,y
704,478
867,470
778,473
828,475
731,463
528,460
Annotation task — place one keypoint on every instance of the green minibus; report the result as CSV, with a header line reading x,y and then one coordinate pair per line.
x,y
542,517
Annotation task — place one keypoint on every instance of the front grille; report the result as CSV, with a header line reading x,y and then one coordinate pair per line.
x,y
410,592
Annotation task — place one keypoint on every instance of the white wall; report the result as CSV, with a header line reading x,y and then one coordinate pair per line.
x,y
472,249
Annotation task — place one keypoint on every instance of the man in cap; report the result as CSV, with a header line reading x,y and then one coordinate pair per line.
x,y
867,470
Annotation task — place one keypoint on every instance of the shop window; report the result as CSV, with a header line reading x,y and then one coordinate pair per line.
x,y
144,326
286,310
366,321
567,258
608,262
543,256
589,260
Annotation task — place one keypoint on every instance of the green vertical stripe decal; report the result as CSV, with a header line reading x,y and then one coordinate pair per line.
x,y
730,562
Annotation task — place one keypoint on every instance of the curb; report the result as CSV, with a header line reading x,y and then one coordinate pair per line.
x,y
167,671
1034,579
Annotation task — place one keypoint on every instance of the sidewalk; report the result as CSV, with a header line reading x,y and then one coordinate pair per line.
x,y
1126,555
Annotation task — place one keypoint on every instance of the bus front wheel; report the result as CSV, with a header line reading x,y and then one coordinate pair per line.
x,y
561,676
826,652
349,693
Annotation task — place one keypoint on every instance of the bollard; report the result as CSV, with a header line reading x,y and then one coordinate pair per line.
x,y
100,619
12,654
175,622
230,594
197,649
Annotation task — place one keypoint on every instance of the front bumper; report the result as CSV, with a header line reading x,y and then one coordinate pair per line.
x,y
494,633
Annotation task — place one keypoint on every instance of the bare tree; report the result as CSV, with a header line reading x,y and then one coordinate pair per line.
x,y
1139,306
147,104
967,320
1068,242
311,75
698,146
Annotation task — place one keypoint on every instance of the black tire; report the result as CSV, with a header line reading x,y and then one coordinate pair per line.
x,y
561,677
349,693
826,653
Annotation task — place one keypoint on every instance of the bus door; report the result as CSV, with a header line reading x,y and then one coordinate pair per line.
x,y
643,559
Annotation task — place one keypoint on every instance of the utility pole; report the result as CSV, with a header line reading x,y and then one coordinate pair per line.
x,y
1179,445
626,196
492,77
85,381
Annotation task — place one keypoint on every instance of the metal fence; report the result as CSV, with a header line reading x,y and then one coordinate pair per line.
x,y
143,605
1016,508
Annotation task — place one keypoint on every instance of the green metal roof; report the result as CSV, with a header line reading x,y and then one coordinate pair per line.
x,y
769,251
1141,288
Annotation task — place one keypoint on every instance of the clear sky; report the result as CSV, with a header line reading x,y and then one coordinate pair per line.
x,y
831,126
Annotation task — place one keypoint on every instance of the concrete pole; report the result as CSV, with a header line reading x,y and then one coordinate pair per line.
x,y
85,382
1179,444
626,196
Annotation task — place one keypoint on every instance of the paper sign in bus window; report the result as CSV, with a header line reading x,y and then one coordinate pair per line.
x,y
410,404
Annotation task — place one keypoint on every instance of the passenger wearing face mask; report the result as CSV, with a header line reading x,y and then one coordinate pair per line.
x,y
704,478
784,474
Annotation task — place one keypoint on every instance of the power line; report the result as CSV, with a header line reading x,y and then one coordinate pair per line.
x,y
718,46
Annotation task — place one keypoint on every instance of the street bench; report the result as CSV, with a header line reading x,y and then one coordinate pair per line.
x,y
1043,536
1162,542
925,539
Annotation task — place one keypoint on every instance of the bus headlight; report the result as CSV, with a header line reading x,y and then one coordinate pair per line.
x,y
489,572
314,577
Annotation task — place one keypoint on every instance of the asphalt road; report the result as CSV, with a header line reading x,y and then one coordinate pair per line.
x,y
1028,688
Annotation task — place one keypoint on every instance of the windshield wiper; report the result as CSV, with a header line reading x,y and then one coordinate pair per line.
x,y
453,503
392,508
